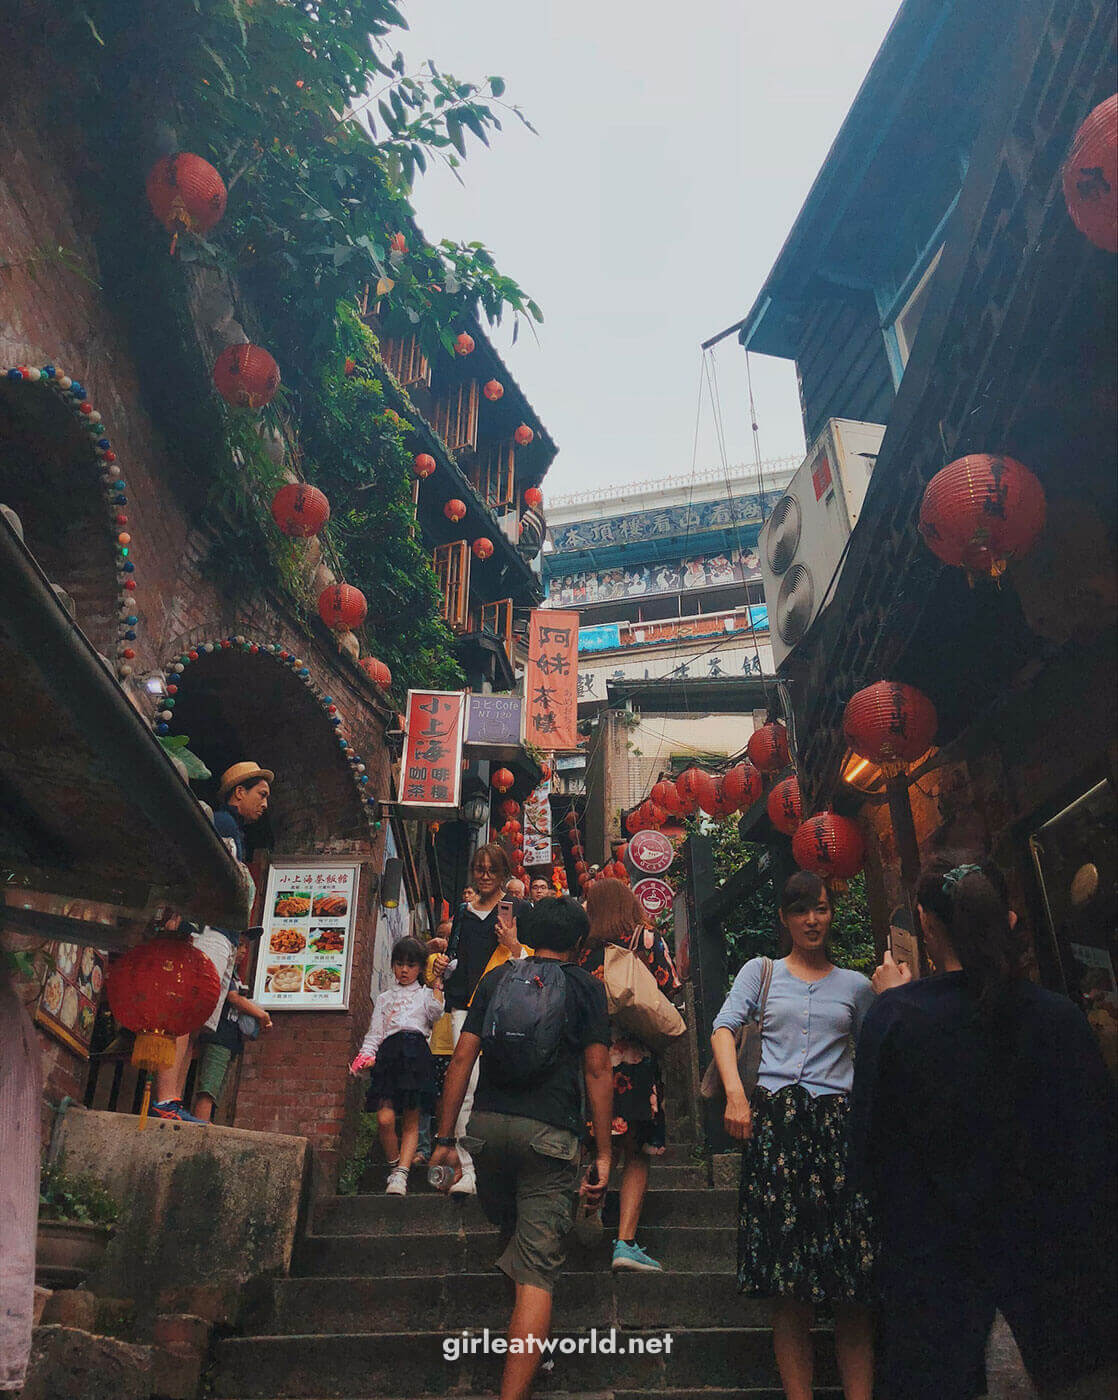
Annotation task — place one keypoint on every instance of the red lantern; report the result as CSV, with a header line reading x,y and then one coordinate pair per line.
x,y
665,796
482,549
620,850
891,724
741,787
581,868
981,511
654,815
632,821
534,497
246,376
398,243
493,390
423,465
619,872
1091,177
687,785
502,780
342,607
768,748
377,672
706,790
185,192
523,435
455,510
160,990
784,806
510,808
511,828
830,846
300,510
464,344
571,819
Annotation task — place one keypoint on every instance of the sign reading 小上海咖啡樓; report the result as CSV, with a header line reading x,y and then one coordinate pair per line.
x,y
551,681
650,852
431,766
306,949
653,896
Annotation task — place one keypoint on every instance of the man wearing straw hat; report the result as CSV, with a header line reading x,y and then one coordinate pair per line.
x,y
242,799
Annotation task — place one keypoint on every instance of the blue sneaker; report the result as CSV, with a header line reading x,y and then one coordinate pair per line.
x,y
173,1108
631,1258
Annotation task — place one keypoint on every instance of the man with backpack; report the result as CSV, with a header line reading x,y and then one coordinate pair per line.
x,y
541,1027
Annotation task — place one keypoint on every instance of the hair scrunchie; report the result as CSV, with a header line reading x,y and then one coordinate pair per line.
x,y
960,872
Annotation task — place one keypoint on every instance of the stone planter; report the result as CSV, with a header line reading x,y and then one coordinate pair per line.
x,y
67,1251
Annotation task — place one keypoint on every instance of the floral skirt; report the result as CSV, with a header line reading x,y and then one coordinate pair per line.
x,y
803,1232
403,1074
638,1096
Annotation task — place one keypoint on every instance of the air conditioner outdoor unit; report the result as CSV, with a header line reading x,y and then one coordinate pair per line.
x,y
802,541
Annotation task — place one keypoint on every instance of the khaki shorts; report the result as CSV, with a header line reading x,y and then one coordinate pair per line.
x,y
527,1183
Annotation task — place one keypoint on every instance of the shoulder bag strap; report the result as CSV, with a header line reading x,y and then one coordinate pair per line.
x,y
766,979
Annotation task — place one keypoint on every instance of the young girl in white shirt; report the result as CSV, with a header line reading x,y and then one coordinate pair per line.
x,y
397,1049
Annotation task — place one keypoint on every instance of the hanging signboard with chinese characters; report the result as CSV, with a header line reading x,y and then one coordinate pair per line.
x,y
431,768
551,681
306,949
537,826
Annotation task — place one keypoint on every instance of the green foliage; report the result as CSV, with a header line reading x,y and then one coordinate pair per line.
x,y
356,1164
80,1198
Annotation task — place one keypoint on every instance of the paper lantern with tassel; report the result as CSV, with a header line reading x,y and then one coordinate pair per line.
x,y
342,607
831,847
982,511
246,376
784,806
186,194
891,724
523,435
300,510
741,786
377,672
493,390
502,780
768,747
455,509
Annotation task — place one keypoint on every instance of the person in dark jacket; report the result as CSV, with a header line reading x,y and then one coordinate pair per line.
x,y
983,1130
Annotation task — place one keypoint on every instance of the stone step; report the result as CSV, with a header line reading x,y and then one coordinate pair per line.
x,y
663,1178
599,1299
414,1364
753,1392
435,1214
473,1249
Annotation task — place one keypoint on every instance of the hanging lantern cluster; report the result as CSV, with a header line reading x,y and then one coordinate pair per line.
x,y
246,376
891,724
767,748
73,396
342,607
174,675
981,512
829,846
1091,177
300,510
186,193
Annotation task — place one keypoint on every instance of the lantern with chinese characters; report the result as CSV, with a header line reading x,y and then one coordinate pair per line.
x,y
464,344
688,785
246,376
493,390
523,435
377,672
768,747
510,808
981,511
502,780
342,607
533,497
1091,177
784,806
186,194
665,796
831,847
741,786
482,549
891,724
423,465
300,510
706,790
161,990
455,510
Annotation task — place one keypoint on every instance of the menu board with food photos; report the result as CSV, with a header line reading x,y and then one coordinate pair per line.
x,y
68,1003
306,949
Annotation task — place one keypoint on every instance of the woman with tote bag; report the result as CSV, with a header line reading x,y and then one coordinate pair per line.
x,y
803,1235
637,971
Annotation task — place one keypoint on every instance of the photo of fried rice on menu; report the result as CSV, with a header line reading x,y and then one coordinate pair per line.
x,y
292,904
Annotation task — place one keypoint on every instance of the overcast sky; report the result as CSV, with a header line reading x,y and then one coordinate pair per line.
x,y
676,146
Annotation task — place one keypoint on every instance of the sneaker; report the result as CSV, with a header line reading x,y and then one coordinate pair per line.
x,y
466,1185
172,1108
632,1258
397,1183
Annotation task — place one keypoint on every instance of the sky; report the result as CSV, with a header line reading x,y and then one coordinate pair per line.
x,y
675,148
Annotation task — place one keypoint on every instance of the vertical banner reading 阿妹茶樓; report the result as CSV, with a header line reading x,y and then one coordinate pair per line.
x,y
537,826
551,681
431,768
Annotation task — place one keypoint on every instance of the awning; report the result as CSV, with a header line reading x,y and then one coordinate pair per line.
x,y
91,808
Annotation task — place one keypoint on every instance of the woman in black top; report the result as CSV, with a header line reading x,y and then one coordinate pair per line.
x,y
984,1132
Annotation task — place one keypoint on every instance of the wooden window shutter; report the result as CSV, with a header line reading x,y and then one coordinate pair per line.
x,y
493,473
452,569
406,361
496,619
454,417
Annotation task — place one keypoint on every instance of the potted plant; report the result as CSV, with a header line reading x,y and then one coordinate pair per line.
x,y
76,1216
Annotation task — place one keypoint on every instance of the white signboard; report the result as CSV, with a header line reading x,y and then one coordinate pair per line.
x,y
537,826
654,896
720,659
650,852
306,949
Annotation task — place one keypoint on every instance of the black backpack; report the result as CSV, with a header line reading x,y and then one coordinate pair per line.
x,y
522,1030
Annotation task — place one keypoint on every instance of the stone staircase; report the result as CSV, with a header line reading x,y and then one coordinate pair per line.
x,y
379,1282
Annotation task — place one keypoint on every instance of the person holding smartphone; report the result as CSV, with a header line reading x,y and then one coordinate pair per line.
x,y
482,936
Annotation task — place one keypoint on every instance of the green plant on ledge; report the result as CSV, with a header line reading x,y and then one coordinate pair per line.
x,y
74,1198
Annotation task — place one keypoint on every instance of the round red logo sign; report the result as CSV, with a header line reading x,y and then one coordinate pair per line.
x,y
651,852
654,896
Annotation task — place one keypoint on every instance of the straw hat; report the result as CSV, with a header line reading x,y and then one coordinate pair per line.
x,y
242,773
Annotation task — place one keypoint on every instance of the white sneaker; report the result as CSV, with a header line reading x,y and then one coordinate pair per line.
x,y
466,1185
397,1183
